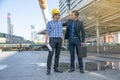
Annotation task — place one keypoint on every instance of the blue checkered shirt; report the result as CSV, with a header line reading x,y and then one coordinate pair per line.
x,y
54,29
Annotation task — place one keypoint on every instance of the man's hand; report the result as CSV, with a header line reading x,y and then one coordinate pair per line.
x,y
62,39
83,44
46,43
62,42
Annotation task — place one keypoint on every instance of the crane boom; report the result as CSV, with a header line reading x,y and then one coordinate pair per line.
x,y
44,9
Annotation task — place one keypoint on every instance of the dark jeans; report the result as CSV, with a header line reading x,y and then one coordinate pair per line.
x,y
56,44
74,43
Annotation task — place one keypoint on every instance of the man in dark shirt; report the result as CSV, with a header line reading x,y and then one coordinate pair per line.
x,y
73,30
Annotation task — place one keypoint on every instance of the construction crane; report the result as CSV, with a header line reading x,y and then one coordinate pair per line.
x,y
44,9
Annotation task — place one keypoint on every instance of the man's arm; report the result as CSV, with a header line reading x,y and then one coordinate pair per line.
x,y
83,34
47,33
46,39
64,24
67,28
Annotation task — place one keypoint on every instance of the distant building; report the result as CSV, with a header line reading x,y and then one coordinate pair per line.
x,y
33,33
64,6
10,26
10,39
68,5
112,38
41,38
75,3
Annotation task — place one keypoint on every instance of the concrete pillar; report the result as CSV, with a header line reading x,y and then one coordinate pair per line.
x,y
98,34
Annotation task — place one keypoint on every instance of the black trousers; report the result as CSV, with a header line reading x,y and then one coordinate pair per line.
x,y
56,44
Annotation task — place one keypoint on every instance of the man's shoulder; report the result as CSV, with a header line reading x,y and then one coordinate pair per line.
x,y
69,20
53,21
79,20
50,21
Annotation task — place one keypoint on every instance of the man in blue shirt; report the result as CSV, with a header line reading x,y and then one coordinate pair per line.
x,y
54,33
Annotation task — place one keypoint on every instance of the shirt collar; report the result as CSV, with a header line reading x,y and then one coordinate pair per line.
x,y
55,21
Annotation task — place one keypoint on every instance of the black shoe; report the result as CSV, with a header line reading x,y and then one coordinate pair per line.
x,y
71,70
48,72
57,70
82,71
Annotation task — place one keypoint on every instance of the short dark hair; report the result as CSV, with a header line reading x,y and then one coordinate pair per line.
x,y
75,12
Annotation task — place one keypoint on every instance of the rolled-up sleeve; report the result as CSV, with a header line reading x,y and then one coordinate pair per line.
x,y
48,28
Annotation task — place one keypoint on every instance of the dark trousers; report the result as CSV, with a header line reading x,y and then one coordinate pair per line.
x,y
56,44
74,43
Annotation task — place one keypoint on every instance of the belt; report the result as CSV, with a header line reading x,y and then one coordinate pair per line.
x,y
75,37
55,38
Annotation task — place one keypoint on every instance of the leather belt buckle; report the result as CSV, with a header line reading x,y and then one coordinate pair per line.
x,y
75,37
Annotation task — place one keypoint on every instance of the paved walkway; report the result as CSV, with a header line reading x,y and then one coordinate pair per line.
x,y
109,55
31,65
